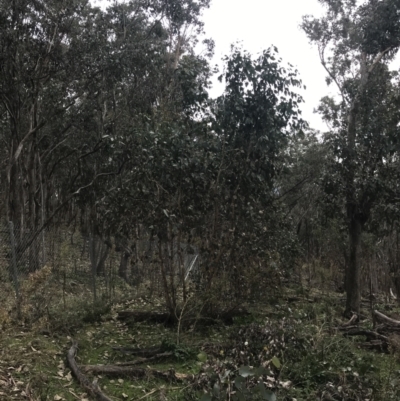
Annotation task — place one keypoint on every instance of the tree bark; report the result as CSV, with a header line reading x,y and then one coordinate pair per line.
x,y
353,293
123,265
92,388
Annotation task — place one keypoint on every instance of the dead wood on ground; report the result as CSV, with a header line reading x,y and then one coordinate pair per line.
x,y
140,361
91,388
140,352
226,317
129,371
386,319
380,338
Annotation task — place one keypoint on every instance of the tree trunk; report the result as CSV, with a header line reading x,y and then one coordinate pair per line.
x,y
103,251
123,265
353,295
353,290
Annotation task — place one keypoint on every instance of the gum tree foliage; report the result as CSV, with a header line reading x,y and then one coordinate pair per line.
x,y
36,92
356,41
73,81
209,180
108,126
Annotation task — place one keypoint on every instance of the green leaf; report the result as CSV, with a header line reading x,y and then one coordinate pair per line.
x,y
276,362
260,371
265,394
245,371
206,397
202,357
270,396
239,382
216,389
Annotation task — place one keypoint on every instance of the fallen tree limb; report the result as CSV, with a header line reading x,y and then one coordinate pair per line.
x,y
383,335
351,322
371,335
118,370
386,319
167,318
387,329
142,352
140,316
91,388
140,361
376,344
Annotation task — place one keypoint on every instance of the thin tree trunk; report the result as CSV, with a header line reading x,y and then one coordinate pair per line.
x,y
353,295
353,290
123,265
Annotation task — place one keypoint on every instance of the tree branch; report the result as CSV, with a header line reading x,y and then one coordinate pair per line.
x,y
378,58
25,138
32,238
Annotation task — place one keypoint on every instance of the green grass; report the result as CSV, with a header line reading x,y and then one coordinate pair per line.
x,y
315,360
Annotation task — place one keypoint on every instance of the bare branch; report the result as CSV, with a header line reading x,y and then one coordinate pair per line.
x,y
330,73
378,58
25,138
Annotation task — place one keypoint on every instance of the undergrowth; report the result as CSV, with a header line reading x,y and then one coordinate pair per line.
x,y
281,351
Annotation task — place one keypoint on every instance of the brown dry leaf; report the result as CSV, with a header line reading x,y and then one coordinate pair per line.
x,y
181,375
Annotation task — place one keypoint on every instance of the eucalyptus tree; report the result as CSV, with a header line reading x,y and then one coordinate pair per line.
x,y
36,91
254,121
356,41
151,83
73,81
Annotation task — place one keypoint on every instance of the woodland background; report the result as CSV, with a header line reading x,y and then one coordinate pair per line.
x,y
120,175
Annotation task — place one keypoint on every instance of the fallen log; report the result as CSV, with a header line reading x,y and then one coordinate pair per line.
x,y
375,344
371,335
91,388
387,329
226,317
129,371
140,361
386,319
153,317
141,352
354,319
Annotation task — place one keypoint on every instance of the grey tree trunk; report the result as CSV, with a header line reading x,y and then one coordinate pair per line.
x,y
123,265
353,291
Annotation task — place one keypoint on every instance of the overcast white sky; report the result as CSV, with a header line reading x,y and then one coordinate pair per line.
x,y
258,24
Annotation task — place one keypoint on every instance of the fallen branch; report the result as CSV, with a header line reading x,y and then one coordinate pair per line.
x,y
118,370
376,344
91,388
386,319
145,360
351,322
387,329
140,316
143,352
169,319
371,335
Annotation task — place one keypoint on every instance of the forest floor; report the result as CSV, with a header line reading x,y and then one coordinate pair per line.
x,y
295,340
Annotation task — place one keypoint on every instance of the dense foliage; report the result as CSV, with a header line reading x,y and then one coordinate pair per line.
x,y
107,127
